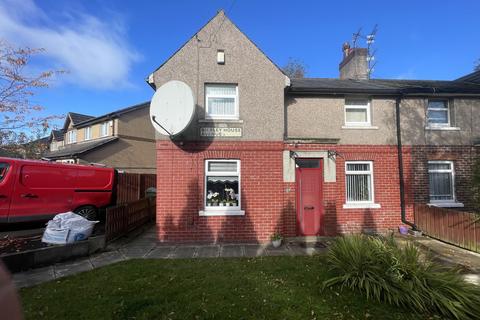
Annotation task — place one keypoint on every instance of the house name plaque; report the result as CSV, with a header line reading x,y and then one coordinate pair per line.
x,y
220,132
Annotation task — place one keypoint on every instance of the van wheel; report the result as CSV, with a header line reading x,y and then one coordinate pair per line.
x,y
88,212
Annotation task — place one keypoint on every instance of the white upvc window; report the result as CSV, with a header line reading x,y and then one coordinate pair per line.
x,y
357,112
221,101
222,194
438,114
88,133
104,129
72,136
441,180
359,182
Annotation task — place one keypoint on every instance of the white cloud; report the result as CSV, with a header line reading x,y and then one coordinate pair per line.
x,y
95,52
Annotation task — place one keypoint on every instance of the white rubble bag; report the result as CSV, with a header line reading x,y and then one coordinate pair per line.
x,y
67,227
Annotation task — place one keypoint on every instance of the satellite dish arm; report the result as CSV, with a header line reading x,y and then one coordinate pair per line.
x,y
154,120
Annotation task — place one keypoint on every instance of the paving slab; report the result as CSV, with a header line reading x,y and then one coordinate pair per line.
x,y
137,251
208,251
32,277
297,250
63,269
160,252
280,251
231,250
255,250
183,252
106,258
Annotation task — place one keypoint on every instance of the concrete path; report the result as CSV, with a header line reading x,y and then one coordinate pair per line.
x,y
146,246
449,255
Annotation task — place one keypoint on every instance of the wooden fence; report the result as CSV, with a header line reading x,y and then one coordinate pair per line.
x,y
132,186
123,218
452,226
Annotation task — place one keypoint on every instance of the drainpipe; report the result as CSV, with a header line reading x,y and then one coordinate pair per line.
x,y
400,164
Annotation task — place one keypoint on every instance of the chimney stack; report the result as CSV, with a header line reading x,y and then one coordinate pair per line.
x,y
354,64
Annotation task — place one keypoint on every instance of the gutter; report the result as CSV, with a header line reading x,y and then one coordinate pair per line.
x,y
400,164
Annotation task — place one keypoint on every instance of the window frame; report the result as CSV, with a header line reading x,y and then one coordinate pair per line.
x,y
215,211
72,136
372,184
367,107
102,125
451,171
447,108
236,115
89,130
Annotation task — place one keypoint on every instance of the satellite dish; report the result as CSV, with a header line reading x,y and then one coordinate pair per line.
x,y
172,108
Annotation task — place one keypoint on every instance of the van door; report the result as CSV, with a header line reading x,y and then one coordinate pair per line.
x,y
7,181
43,190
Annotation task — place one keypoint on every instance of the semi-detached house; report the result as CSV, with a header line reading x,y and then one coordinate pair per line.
x,y
303,157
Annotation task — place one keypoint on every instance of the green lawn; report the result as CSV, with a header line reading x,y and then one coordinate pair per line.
x,y
261,288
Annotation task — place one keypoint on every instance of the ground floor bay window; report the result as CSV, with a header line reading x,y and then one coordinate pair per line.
x,y
222,188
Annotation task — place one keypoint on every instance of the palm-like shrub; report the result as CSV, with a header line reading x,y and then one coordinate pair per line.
x,y
383,271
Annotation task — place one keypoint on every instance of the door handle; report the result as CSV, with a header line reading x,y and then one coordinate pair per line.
x,y
29,195
308,207
2,196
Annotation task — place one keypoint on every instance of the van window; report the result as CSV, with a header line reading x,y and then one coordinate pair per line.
x,y
3,170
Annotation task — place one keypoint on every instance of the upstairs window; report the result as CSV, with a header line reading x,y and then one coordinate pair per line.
x,y
441,181
359,181
221,101
222,185
88,133
72,136
357,112
438,114
104,129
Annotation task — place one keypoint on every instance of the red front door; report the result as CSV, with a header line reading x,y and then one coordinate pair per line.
x,y
309,177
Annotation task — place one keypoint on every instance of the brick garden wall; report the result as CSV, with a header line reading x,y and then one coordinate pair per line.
x,y
463,158
269,203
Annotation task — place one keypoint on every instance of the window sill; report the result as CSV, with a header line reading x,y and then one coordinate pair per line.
x,y
361,206
220,121
446,204
221,213
360,127
443,128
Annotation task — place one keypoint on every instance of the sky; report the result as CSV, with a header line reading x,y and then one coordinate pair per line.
x,y
108,47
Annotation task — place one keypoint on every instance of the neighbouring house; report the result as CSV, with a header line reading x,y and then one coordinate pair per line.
x,y
123,139
310,156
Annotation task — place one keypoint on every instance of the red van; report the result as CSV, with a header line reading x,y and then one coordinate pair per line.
x,y
37,190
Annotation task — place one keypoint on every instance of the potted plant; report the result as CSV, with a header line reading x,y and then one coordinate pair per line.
x,y
276,239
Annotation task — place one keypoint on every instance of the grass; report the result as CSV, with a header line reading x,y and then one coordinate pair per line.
x,y
260,288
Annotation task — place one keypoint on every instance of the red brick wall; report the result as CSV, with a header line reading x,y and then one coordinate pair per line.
x,y
269,203
463,158
386,188
180,174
